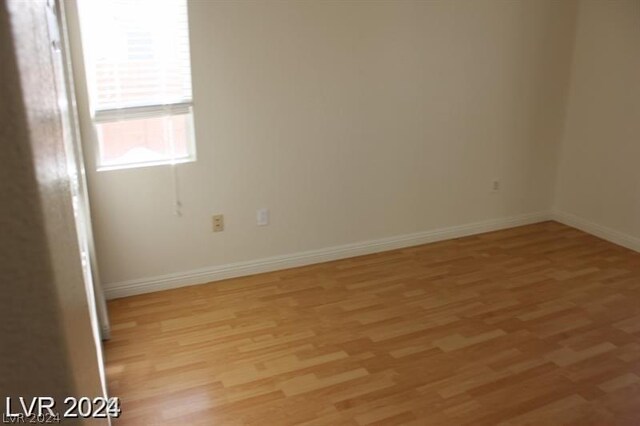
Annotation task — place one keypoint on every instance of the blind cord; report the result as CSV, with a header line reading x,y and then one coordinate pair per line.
x,y
176,191
169,136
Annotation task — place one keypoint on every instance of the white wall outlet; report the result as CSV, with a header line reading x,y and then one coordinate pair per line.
x,y
262,217
495,185
218,223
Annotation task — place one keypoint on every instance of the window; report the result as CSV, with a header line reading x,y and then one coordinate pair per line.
x,y
139,79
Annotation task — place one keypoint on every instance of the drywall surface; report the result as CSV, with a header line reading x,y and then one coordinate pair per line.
x,y
599,173
47,348
351,121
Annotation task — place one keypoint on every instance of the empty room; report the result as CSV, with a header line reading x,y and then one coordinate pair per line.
x,y
320,212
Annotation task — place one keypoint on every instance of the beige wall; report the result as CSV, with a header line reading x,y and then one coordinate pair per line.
x,y
599,178
351,121
47,347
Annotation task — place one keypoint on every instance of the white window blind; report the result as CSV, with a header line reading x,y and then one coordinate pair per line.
x,y
139,78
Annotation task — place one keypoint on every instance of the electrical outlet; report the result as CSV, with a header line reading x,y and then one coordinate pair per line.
x,y
495,185
218,223
262,217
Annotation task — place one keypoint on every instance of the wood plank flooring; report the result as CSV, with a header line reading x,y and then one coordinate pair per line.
x,y
533,325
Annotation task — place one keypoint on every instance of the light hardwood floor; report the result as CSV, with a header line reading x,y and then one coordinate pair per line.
x,y
533,325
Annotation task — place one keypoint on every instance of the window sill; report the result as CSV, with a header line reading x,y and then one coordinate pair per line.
x,y
145,164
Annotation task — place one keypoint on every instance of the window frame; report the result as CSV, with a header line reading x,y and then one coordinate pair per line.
x,y
99,116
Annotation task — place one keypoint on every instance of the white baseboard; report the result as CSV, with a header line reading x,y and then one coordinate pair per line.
x,y
600,231
216,273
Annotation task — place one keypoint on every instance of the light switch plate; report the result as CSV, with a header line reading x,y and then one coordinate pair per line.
x,y
262,217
